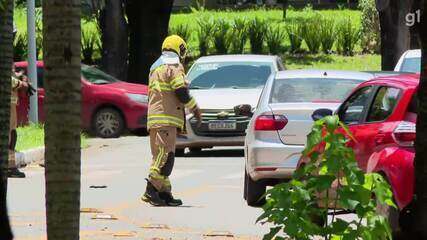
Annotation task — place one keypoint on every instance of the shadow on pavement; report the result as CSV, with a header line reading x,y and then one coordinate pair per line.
x,y
216,153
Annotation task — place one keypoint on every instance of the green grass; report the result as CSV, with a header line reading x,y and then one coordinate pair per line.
x,y
333,62
32,136
273,17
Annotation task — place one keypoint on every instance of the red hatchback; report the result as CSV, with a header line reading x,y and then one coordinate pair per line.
x,y
109,106
381,115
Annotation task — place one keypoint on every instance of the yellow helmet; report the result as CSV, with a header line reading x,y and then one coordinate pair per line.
x,y
176,44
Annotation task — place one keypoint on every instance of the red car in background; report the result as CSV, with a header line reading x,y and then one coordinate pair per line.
x,y
109,106
381,114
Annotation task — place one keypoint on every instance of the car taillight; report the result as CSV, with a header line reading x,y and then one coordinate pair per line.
x,y
404,134
270,122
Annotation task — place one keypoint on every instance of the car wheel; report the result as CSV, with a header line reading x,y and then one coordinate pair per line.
x,y
195,149
254,191
179,152
108,123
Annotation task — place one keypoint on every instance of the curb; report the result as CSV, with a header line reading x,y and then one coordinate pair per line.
x,y
30,156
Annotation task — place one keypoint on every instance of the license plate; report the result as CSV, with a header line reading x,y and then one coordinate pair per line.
x,y
222,125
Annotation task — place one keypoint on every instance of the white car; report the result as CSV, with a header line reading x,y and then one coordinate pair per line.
x,y
277,133
410,61
219,83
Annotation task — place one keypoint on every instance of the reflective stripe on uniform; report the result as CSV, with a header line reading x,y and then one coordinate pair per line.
x,y
160,86
157,84
158,161
164,119
191,104
178,82
16,83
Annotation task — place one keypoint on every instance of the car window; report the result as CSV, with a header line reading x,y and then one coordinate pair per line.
x,y
411,65
383,104
311,89
352,110
96,76
229,75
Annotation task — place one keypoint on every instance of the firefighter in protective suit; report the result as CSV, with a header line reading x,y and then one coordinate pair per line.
x,y
168,97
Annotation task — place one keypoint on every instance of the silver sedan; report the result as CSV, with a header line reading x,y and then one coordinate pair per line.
x,y
277,133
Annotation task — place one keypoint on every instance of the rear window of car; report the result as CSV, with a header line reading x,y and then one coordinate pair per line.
x,y
238,75
311,89
411,65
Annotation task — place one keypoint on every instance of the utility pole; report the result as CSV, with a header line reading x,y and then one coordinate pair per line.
x,y
32,60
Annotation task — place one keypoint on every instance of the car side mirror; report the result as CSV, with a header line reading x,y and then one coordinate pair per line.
x,y
243,110
321,113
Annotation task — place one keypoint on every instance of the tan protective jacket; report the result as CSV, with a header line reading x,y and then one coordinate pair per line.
x,y
16,85
164,108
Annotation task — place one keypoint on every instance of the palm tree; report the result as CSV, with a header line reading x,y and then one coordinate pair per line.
x,y
61,51
6,55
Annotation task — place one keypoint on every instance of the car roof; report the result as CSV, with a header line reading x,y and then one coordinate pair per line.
x,y
363,76
403,80
237,57
414,53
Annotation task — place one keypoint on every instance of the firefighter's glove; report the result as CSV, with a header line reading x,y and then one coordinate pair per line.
x,y
30,90
198,115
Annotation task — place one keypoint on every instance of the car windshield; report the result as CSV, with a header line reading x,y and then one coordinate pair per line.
x,y
311,89
96,76
229,75
411,65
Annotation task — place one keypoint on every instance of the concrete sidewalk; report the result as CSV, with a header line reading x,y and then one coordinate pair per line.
x,y
28,157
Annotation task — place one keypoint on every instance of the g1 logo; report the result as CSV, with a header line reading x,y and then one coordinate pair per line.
x,y
412,18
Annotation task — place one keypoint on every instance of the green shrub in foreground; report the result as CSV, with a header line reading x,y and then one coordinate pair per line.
x,y
299,209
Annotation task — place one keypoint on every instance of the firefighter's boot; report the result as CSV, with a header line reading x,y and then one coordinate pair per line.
x,y
152,197
170,201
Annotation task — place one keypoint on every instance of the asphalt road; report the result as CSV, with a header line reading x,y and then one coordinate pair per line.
x,y
210,184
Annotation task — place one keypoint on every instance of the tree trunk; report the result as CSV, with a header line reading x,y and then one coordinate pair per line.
x,y
420,206
148,26
114,38
6,60
61,51
395,34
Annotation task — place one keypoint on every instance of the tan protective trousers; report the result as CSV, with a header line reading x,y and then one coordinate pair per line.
x,y
13,125
162,143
